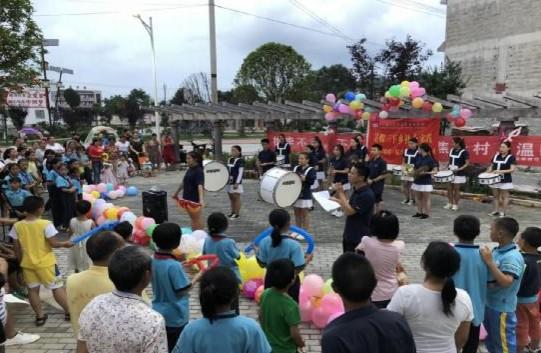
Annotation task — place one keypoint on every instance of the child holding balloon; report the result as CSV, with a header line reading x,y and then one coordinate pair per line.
x,y
78,259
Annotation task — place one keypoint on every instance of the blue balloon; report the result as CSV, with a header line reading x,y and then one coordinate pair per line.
x,y
307,237
109,225
109,187
350,96
104,196
360,97
131,191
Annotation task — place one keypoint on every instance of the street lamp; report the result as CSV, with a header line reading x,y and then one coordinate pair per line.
x,y
150,31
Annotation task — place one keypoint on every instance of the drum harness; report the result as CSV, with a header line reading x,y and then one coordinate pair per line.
x,y
410,156
281,150
499,163
315,185
454,157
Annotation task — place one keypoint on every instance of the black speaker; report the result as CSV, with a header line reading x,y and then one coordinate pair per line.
x,y
155,205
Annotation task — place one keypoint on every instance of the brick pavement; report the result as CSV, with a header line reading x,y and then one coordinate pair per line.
x,y
56,335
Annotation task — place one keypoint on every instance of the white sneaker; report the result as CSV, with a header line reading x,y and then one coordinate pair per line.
x,y
411,203
21,338
448,206
405,202
338,213
502,215
455,208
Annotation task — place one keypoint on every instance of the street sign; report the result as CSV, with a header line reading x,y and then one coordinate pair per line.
x,y
50,42
60,69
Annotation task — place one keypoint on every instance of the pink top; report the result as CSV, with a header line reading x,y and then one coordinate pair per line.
x,y
384,258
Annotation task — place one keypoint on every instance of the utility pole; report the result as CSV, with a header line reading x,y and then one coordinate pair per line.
x,y
217,131
165,93
46,85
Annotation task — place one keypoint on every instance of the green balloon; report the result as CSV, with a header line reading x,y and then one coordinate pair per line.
x,y
395,91
150,229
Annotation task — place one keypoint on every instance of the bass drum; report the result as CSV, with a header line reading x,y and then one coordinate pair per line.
x,y
216,175
280,187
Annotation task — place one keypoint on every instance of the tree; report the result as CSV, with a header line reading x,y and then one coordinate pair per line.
x,y
198,88
447,79
116,105
17,116
403,61
77,118
135,101
273,70
73,98
364,67
335,78
246,94
20,43
180,97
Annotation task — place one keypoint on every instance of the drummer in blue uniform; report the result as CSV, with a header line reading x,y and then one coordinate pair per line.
x,y
503,163
410,154
338,172
283,150
234,185
459,159
266,159
304,203
378,172
425,167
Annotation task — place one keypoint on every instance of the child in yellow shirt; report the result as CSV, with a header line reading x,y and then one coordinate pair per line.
x,y
34,239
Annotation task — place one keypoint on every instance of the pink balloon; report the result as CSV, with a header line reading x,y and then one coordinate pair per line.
x,y
413,85
320,317
465,113
331,117
303,296
334,316
331,98
422,91
101,220
344,109
250,287
147,222
306,309
313,285
101,187
332,303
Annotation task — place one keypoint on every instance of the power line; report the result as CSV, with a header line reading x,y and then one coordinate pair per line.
x,y
316,17
116,12
409,7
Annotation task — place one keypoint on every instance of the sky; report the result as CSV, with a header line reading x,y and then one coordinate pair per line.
x,y
109,50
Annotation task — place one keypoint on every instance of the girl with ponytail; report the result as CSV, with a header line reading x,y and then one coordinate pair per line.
x,y
438,314
280,245
221,329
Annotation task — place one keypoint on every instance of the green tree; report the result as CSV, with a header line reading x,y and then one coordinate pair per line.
x,y
136,100
20,41
273,70
17,116
72,97
180,97
115,105
444,80
364,68
335,78
245,94
77,118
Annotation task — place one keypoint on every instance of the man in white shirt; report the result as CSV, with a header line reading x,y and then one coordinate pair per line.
x,y
53,145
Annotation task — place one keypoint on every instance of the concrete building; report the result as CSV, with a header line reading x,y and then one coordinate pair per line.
x,y
31,99
498,43
88,97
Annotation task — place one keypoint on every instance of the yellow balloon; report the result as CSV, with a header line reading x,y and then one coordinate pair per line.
x,y
405,84
327,108
387,94
437,108
111,213
249,268
96,194
405,91
355,105
417,103
365,116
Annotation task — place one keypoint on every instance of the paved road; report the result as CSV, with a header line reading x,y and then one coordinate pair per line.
x,y
57,336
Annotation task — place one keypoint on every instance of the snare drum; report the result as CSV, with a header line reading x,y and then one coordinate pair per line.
x,y
397,170
445,176
280,187
489,178
216,175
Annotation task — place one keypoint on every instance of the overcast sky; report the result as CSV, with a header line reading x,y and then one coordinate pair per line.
x,y
109,50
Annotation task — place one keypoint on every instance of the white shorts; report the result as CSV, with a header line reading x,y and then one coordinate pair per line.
x,y
459,179
406,178
320,175
346,186
230,189
422,188
315,185
502,186
303,204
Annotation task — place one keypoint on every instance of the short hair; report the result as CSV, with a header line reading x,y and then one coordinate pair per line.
x,y
101,246
82,207
280,273
33,203
124,229
265,141
508,225
385,225
219,286
361,169
15,180
467,227
353,277
532,236
167,236
217,223
378,146
128,266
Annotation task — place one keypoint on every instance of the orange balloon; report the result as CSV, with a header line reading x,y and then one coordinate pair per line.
x,y
417,103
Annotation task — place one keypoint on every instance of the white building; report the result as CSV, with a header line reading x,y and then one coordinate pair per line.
x,y
88,97
31,99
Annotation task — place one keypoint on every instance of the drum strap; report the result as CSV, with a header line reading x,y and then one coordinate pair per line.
x,y
282,149
305,172
455,156
234,163
499,163
410,156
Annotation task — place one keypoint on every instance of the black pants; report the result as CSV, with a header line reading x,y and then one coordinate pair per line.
x,y
173,333
66,207
293,291
348,246
473,340
381,304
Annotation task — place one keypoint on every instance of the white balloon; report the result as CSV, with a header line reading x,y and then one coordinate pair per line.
x,y
383,114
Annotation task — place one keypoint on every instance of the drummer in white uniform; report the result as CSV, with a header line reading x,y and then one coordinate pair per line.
x,y
459,159
503,163
234,186
303,205
283,150
410,154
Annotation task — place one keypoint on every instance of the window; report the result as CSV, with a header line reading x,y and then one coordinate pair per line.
x,y
40,114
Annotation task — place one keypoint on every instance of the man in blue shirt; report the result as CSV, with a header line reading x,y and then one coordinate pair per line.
x,y
472,275
378,172
359,208
506,266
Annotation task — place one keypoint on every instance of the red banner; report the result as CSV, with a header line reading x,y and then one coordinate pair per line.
x,y
298,140
393,135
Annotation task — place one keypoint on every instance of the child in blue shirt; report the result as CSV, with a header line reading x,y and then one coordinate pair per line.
x,y
506,266
472,275
15,196
27,180
13,171
170,284
221,330
75,178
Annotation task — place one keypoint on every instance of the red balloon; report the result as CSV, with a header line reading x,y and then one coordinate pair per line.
x,y
427,107
460,122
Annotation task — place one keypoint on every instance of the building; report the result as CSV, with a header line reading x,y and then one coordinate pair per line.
x,y
88,97
498,43
31,99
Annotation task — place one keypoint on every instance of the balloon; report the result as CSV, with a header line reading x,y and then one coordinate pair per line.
x,y
86,196
330,97
427,107
95,194
422,91
302,295
128,216
109,187
465,113
349,96
150,229
104,195
356,105
306,309
414,84
437,108
360,97
101,187
112,195
334,316
405,91
394,91
344,109
250,287
111,213
327,108
147,222
387,94
101,220
138,222
327,287
320,317
131,191
258,293
460,122
332,303
405,84
383,114
365,116
199,234
121,211
313,285
330,117
417,103
121,192
88,188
